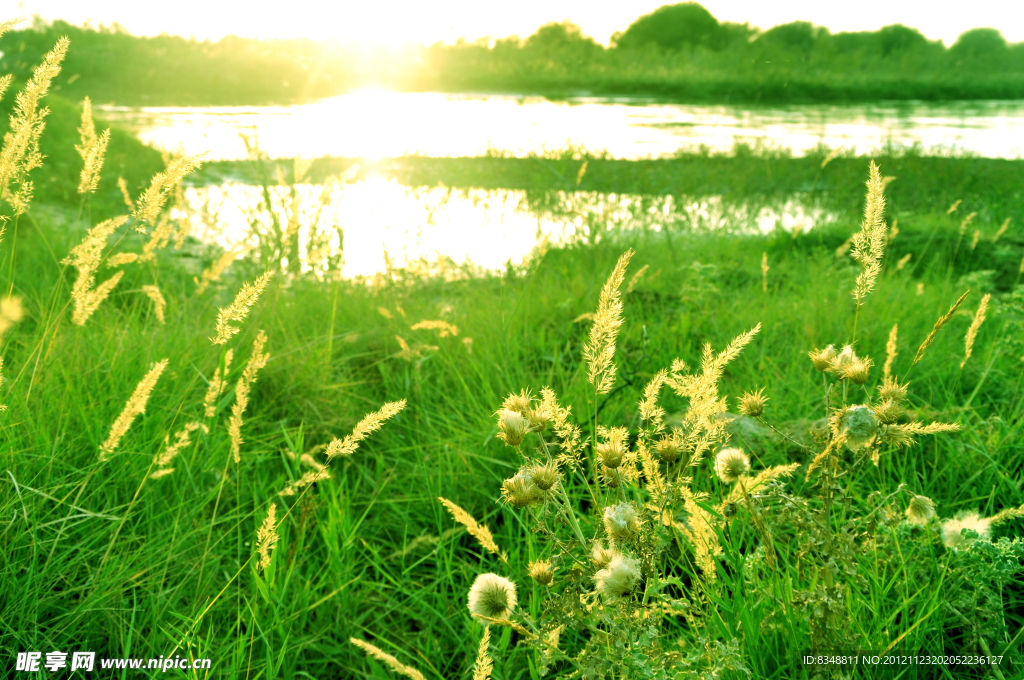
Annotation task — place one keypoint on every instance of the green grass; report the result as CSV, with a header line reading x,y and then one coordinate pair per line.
x,y
95,559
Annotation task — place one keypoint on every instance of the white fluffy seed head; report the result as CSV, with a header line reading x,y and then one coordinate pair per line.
x,y
620,521
514,427
619,578
731,464
492,596
601,555
920,510
951,528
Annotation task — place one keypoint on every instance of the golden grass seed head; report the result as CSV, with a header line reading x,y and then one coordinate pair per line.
x,y
619,578
492,596
731,464
601,555
952,528
920,510
544,476
888,412
752,403
668,449
520,492
890,390
823,358
514,427
542,572
621,522
859,425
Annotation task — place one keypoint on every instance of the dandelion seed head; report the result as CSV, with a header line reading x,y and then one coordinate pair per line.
x,y
731,464
492,596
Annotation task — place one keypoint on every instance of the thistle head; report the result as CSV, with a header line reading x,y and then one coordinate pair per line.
x,y
520,403
856,371
619,578
890,390
668,449
920,510
544,476
613,448
823,358
952,529
601,555
888,412
752,403
514,427
542,572
538,418
520,491
492,596
730,509
609,477
731,464
859,424
621,523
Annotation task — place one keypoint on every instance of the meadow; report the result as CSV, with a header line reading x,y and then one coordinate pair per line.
x,y
113,546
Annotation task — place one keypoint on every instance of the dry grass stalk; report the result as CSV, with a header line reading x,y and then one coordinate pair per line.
x,y
484,666
975,238
257,360
890,352
966,221
869,242
152,199
764,272
1002,230
599,351
938,326
369,424
182,438
20,153
972,332
85,257
903,261
478,531
92,150
894,231
309,478
159,304
3,407
239,309
388,660
956,204
217,386
136,405
120,259
266,538
700,532
633,280
1007,515
443,328
123,186
158,239
214,271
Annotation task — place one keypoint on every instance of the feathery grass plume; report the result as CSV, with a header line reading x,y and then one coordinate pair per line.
x,y
890,353
364,428
1007,515
903,435
11,313
938,326
154,294
894,231
385,313
388,660
136,405
152,199
633,280
569,435
239,309
650,412
91,150
581,173
85,257
20,153
1002,230
443,328
920,286
975,238
599,351
972,332
952,528
764,272
834,445
214,271
832,155
310,477
257,360
492,596
484,666
267,538
3,407
869,242
699,530
160,237
762,478
956,204
123,186
120,259
902,262
966,221
478,531
217,386
182,438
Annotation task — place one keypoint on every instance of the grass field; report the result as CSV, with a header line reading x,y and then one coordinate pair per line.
x,y
100,556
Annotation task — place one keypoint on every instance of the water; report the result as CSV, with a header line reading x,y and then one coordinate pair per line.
x,y
389,124
383,220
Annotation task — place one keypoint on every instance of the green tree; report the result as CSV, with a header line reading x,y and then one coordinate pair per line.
x,y
672,27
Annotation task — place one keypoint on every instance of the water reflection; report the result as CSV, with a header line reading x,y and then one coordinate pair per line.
x,y
390,124
380,223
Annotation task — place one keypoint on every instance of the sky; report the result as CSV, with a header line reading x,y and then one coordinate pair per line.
x,y
393,22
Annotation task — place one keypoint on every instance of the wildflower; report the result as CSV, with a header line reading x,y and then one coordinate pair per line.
x,y
823,358
542,572
620,521
544,476
890,390
952,529
618,578
601,555
731,464
520,491
514,427
492,596
859,425
888,412
668,449
520,403
752,403
610,477
611,451
920,510
856,371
